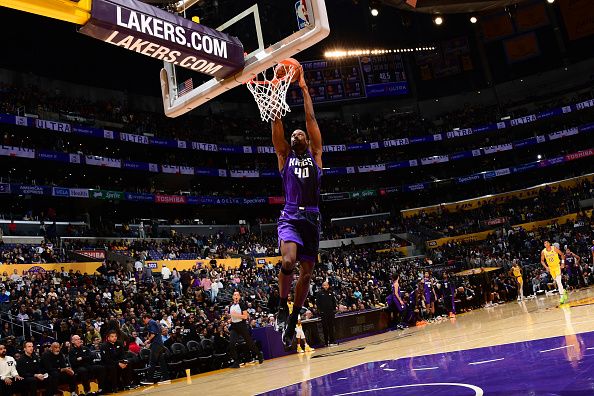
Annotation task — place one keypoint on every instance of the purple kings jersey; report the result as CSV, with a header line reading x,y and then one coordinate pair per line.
x,y
569,263
302,178
427,289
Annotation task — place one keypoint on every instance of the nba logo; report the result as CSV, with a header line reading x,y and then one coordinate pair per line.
x,y
301,13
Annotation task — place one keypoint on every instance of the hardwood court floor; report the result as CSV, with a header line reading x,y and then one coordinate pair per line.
x,y
508,323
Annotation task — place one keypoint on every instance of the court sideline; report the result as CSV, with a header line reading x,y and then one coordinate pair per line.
x,y
504,324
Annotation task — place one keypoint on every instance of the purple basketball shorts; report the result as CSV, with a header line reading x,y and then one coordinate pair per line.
x,y
303,228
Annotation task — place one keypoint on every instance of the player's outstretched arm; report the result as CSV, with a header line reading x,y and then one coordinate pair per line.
x,y
311,124
281,146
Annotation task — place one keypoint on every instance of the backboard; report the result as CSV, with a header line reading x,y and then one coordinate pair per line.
x,y
270,31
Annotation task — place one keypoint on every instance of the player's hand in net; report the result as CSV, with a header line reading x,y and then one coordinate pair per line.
x,y
302,82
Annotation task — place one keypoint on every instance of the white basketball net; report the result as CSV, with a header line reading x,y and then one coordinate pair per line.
x,y
271,94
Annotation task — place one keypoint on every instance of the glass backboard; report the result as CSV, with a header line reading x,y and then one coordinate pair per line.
x,y
270,31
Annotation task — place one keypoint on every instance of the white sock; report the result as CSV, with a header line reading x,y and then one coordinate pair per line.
x,y
559,285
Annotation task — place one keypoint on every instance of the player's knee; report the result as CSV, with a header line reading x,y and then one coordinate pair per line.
x,y
287,268
288,263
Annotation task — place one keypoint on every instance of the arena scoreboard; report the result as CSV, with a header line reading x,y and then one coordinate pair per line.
x,y
352,78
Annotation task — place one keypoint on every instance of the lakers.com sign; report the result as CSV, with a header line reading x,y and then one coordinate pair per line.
x,y
153,32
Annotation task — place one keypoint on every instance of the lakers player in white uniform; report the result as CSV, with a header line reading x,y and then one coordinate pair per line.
x,y
552,259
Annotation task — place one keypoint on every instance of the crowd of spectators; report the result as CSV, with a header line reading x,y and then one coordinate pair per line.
x,y
138,242
359,131
184,247
45,104
549,202
29,254
508,244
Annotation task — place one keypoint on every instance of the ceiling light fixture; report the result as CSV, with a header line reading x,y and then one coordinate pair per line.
x,y
344,53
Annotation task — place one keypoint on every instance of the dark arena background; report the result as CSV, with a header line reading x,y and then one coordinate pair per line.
x,y
455,211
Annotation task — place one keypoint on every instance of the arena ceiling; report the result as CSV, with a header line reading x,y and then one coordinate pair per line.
x,y
424,6
450,6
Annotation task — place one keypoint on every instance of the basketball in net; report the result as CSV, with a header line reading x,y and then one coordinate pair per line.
x,y
285,66
271,93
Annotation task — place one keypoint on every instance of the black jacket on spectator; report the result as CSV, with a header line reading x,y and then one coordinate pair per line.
x,y
53,363
273,302
28,366
325,301
80,357
185,278
112,353
191,334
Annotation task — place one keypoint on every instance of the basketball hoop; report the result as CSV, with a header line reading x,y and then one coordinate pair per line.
x,y
271,94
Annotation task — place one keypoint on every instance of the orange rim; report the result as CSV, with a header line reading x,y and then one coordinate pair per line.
x,y
275,80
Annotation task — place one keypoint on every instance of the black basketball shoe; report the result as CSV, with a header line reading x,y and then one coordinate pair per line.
x,y
289,333
282,317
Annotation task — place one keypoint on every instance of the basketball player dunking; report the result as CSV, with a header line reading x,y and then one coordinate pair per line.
x,y
300,166
549,258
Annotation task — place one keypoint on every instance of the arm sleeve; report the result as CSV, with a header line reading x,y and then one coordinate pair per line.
x,y
13,369
105,355
72,359
44,362
22,366
63,362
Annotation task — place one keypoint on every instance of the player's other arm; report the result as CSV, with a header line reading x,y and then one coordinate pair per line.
x,y
281,146
311,124
543,262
